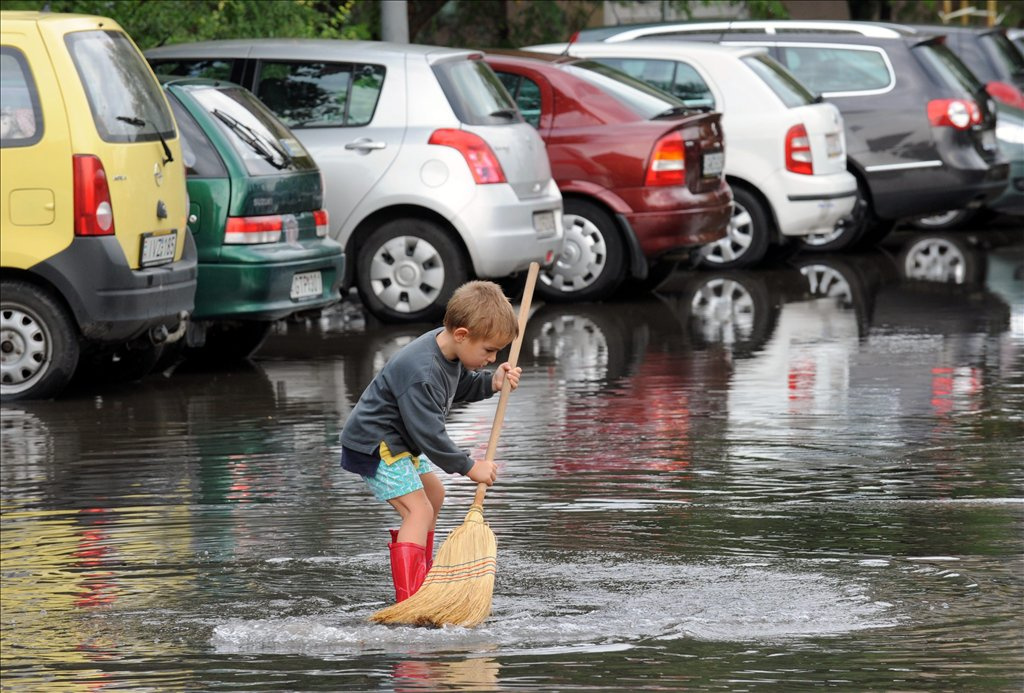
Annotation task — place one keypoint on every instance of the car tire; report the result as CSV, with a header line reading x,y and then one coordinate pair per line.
x,y
944,221
407,269
748,237
39,346
592,263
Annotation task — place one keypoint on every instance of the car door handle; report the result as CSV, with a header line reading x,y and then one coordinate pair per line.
x,y
365,145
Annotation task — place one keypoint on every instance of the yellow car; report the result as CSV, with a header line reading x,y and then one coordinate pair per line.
x,y
98,266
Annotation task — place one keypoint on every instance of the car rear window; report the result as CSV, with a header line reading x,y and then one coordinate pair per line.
x,y
677,78
838,69
475,93
125,99
263,142
649,102
948,68
21,121
780,80
211,69
327,94
1005,53
200,156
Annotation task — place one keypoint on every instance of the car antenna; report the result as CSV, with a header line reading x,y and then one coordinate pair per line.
x,y
572,40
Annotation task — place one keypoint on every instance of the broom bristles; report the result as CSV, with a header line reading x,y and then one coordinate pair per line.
x,y
459,587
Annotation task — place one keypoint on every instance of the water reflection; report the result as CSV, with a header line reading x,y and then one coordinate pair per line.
x,y
811,467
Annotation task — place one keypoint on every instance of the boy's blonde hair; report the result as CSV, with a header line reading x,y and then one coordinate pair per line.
x,y
483,309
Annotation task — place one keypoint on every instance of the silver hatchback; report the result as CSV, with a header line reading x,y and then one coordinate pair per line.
x,y
431,176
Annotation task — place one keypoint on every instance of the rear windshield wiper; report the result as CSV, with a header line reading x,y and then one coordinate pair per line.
x,y
681,110
140,123
259,144
505,113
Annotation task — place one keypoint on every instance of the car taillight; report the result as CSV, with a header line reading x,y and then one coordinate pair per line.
x,y
953,113
1006,93
668,162
249,230
478,154
798,151
94,215
320,217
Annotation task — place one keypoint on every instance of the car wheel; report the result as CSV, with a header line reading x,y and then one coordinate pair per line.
x,y
39,347
407,269
592,262
944,221
747,239
940,259
231,342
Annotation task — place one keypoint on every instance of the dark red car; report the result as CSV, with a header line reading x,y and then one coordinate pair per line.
x,y
640,172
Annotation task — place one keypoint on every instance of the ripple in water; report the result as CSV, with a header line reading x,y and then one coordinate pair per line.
x,y
592,605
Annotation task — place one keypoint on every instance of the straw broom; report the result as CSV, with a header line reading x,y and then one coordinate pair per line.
x,y
460,584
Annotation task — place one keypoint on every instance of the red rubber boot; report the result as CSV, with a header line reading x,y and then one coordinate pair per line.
x,y
429,551
408,568
430,546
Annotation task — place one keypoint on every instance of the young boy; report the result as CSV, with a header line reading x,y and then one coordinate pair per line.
x,y
396,432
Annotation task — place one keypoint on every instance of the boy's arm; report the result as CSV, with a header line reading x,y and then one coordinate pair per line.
x,y
474,386
422,410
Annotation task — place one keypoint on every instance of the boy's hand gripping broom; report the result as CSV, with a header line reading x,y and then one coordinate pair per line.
x,y
460,584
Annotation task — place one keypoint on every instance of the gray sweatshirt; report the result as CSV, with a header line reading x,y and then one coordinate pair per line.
x,y
408,401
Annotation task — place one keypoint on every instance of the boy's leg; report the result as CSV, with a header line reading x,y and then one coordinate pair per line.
x,y
434,489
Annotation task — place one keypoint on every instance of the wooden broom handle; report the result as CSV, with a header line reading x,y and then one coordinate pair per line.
x,y
506,388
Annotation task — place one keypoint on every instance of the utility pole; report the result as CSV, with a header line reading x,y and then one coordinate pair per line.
x,y
394,21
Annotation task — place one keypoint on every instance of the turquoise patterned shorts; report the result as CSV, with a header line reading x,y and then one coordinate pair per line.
x,y
399,478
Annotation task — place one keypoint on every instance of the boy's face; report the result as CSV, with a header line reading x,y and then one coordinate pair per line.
x,y
476,353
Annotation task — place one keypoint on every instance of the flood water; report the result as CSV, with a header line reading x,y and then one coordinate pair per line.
x,y
808,475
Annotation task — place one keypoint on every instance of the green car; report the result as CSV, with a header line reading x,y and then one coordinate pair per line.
x,y
256,214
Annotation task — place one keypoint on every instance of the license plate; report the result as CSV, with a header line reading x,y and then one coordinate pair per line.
x,y
544,224
833,145
158,248
714,162
307,285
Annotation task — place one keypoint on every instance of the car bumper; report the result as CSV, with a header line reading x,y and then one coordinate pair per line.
x,y
811,204
255,282
111,301
958,181
501,231
676,218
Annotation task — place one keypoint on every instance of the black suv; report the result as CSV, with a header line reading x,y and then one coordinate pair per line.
x,y
920,127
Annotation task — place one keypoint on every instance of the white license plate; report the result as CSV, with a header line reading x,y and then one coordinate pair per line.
x,y
714,162
307,285
833,145
158,248
544,224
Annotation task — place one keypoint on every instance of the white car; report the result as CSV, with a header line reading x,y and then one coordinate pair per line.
x,y
785,150
431,175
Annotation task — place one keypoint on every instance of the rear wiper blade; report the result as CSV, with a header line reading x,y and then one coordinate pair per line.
x,y
259,144
681,110
505,113
140,123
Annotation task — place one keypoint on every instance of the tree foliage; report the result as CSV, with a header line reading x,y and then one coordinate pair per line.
x,y
158,22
